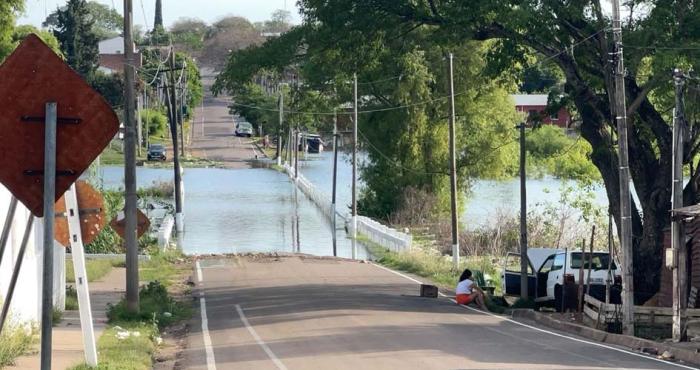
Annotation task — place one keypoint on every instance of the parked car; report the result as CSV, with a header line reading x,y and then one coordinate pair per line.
x,y
156,152
244,129
549,268
311,143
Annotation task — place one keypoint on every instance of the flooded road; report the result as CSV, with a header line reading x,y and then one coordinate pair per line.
x,y
246,210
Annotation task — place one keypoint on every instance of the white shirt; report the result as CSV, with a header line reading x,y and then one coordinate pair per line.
x,y
465,286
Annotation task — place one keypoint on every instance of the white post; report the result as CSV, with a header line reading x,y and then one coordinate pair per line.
x,y
81,281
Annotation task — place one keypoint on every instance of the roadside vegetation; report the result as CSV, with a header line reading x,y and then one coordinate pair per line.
x,y
96,269
132,340
16,340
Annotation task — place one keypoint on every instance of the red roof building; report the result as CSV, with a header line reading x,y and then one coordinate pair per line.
x,y
535,104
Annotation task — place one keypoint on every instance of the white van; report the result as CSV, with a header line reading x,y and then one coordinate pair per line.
x,y
548,268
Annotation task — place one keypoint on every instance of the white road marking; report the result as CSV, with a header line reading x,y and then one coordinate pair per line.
x,y
261,343
211,360
543,330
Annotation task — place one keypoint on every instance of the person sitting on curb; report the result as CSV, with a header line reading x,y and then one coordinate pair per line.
x,y
468,292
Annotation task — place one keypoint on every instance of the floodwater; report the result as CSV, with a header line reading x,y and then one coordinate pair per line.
x,y
259,210
246,210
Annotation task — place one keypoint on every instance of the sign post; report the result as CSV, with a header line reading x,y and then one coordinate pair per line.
x,y
81,281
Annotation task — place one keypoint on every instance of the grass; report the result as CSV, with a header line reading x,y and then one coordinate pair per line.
x,y
132,353
16,341
157,310
96,269
428,263
71,298
57,316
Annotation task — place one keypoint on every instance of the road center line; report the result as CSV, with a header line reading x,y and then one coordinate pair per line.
x,y
211,360
261,343
542,330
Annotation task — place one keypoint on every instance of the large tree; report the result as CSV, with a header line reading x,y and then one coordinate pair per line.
x,y
8,14
575,35
74,30
106,21
227,35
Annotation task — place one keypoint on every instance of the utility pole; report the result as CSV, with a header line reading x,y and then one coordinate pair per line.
x,y
677,237
335,179
173,134
132,248
453,168
296,154
624,175
139,124
179,103
523,216
354,164
279,127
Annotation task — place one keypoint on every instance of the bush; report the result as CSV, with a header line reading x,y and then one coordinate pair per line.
x,y
16,340
155,305
156,121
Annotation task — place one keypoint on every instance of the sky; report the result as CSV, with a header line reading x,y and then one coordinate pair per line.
x,y
207,10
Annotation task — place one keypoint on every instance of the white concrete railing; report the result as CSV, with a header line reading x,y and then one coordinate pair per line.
x,y
385,236
165,231
376,232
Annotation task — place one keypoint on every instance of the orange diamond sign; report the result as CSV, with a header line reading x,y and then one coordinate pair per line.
x,y
31,77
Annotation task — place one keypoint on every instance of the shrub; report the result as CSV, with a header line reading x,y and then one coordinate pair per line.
x,y
16,340
156,122
155,305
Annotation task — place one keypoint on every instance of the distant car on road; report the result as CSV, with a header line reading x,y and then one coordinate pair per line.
x,y
156,152
244,129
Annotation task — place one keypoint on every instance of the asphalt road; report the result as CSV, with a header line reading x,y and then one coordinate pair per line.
x,y
311,313
213,131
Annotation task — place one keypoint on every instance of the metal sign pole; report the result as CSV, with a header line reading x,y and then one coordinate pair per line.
x,y
8,225
49,200
15,273
81,281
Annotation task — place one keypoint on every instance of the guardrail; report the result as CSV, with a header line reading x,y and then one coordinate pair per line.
x,y
165,232
385,236
376,232
600,311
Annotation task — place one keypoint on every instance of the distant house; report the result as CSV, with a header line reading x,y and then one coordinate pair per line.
x,y
112,55
532,104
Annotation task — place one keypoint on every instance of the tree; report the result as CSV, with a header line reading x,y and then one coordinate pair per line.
x,y
158,21
188,34
21,32
227,35
74,31
107,22
403,87
280,22
8,13
575,36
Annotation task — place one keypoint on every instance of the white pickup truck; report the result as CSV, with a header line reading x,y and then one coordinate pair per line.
x,y
548,268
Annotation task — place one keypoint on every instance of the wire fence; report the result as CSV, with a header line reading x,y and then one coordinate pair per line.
x,y
382,235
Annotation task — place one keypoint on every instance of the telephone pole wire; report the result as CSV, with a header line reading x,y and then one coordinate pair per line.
x,y
624,177
132,263
453,167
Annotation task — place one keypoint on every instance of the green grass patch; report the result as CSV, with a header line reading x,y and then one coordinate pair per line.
x,y
163,266
16,341
96,269
155,306
134,352
71,298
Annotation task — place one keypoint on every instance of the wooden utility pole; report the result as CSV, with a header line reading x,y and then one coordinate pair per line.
x,y
279,127
523,217
173,135
139,125
132,248
677,237
579,291
590,261
354,163
453,166
335,180
624,176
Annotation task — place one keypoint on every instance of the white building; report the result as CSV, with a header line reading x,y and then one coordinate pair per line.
x,y
26,301
112,55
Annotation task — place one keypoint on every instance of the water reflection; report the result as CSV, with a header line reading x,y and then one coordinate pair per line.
x,y
249,210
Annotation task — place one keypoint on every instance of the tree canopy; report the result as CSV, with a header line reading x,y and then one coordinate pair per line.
x,y
8,14
106,21
348,36
20,32
75,32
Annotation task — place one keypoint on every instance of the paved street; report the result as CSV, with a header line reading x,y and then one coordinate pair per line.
x,y
312,313
213,138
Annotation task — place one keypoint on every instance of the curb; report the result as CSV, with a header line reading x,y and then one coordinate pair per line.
x,y
634,343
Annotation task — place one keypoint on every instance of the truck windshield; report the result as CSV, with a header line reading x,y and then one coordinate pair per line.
x,y
600,261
